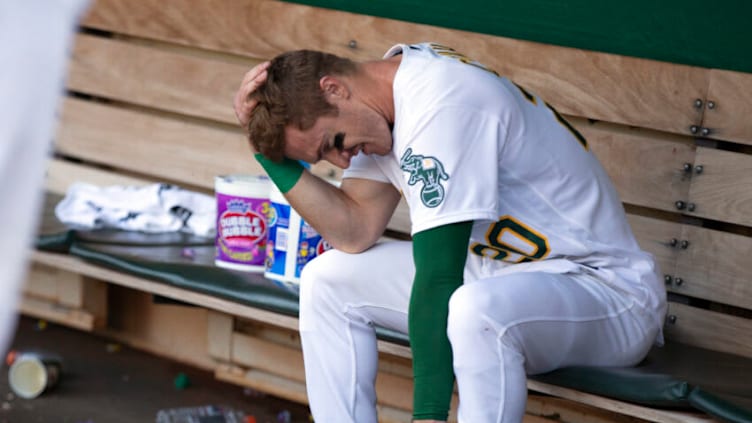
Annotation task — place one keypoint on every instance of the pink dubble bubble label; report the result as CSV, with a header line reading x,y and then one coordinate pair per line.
x,y
243,208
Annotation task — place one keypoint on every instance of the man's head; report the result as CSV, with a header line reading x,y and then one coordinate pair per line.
x,y
293,97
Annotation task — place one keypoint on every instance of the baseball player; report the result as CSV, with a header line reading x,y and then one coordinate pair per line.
x,y
521,261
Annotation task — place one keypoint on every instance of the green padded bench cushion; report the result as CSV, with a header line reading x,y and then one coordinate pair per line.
x,y
192,267
628,384
52,234
724,409
675,375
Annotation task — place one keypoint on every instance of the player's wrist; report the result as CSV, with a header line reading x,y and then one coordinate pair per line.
x,y
284,174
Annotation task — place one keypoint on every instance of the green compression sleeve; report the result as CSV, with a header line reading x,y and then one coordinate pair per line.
x,y
439,255
284,174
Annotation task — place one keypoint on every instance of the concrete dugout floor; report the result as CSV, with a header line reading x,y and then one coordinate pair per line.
x,y
125,386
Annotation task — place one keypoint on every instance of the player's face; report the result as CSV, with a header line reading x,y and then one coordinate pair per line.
x,y
337,139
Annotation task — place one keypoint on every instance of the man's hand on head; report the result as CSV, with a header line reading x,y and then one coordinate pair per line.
x,y
244,105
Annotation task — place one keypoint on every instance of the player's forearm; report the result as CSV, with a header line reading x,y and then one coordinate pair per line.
x,y
440,255
334,214
432,354
350,218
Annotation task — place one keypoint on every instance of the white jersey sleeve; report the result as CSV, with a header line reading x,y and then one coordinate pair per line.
x,y
454,115
364,166
450,167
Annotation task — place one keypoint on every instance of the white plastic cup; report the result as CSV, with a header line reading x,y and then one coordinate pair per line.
x,y
31,374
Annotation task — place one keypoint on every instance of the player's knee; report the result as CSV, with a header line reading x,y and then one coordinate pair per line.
x,y
320,278
467,310
328,268
318,271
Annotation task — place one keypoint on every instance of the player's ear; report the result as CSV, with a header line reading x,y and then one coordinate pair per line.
x,y
333,87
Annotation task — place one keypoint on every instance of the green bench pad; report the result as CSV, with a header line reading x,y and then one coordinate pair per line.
x,y
675,375
192,268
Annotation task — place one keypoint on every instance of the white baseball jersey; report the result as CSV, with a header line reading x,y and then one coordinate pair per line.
x,y
470,145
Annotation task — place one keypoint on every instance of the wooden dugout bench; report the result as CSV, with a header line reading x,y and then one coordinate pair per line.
x,y
149,100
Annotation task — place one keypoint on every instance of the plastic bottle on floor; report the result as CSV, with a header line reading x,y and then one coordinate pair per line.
x,y
203,414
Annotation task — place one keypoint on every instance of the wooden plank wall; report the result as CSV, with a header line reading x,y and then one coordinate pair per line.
x,y
151,85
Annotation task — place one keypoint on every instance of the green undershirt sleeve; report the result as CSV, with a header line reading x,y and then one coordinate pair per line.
x,y
439,255
284,174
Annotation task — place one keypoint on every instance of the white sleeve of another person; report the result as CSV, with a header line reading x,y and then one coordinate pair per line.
x,y
35,41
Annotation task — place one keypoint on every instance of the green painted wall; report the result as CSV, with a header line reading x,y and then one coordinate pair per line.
x,y
713,34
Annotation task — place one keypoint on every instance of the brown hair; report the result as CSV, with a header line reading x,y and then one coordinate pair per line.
x,y
292,96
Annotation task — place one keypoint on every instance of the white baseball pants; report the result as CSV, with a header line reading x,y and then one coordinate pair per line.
x,y
501,329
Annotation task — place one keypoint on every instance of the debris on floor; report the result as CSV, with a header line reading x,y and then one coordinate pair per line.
x,y
203,414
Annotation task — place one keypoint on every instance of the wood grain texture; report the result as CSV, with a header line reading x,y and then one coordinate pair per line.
x,y
568,411
162,79
57,313
722,191
263,382
716,266
709,329
728,118
177,331
646,168
60,174
78,265
219,336
270,357
41,283
66,295
594,85
163,147
655,236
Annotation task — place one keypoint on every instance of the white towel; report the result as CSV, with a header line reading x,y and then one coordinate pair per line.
x,y
151,208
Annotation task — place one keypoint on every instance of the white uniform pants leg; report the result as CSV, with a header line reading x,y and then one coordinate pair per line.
x,y
501,329
504,328
35,39
341,297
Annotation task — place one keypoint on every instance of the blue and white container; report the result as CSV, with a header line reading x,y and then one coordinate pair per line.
x,y
292,242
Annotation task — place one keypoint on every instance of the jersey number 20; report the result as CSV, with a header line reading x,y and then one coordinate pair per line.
x,y
511,241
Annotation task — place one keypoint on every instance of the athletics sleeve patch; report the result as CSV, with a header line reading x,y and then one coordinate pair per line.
x,y
427,170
